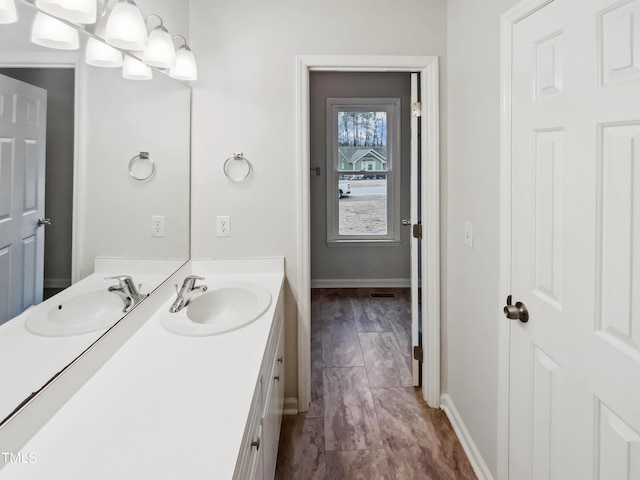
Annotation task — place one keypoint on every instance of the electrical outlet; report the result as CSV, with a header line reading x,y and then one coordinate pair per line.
x,y
157,225
468,234
223,226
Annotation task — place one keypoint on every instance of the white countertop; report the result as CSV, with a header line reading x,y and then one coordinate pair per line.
x,y
27,360
164,406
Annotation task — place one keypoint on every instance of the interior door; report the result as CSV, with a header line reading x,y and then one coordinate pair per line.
x,y
416,244
23,113
575,364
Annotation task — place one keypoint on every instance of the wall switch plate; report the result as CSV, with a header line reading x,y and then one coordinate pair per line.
x,y
223,226
468,234
157,225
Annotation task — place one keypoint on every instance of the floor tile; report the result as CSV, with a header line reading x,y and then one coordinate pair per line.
x,y
369,315
399,316
340,343
365,420
419,441
384,360
301,449
349,416
357,465
316,406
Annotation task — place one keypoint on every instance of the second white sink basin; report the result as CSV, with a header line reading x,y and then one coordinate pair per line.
x,y
82,313
224,307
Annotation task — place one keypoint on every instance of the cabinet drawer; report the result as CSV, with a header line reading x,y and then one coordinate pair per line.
x,y
271,356
250,456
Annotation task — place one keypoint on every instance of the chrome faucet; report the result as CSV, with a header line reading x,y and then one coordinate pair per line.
x,y
186,291
126,290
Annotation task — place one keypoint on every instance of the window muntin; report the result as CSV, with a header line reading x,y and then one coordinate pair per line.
x,y
363,166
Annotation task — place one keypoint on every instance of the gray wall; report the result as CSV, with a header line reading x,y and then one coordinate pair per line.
x,y
366,263
60,86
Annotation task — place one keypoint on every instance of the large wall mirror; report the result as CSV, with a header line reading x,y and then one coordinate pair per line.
x,y
98,206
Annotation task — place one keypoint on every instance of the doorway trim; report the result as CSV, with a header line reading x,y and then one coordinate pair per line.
x,y
427,66
507,21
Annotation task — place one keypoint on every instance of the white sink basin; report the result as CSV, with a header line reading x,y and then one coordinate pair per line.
x,y
226,306
82,313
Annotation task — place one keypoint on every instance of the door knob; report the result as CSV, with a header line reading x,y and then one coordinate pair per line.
x,y
44,221
516,312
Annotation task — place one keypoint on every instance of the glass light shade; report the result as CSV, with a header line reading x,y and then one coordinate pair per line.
x,y
51,32
126,28
77,11
185,67
8,11
160,51
100,54
134,69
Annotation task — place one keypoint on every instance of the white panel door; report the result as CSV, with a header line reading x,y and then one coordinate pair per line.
x,y
23,114
574,408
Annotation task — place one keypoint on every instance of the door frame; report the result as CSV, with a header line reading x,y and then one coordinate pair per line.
x,y
428,68
507,21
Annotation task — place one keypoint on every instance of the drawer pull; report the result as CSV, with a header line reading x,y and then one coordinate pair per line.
x,y
256,443
280,359
277,378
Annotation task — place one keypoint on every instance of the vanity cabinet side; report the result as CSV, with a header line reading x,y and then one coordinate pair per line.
x,y
273,409
259,449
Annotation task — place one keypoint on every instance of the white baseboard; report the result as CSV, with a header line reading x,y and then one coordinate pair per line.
x,y
290,406
477,462
57,282
361,283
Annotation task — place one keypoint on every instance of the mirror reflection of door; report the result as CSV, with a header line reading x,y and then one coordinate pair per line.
x,y
48,271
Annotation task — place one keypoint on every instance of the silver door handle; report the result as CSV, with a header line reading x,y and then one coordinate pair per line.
x,y
44,221
516,312
406,223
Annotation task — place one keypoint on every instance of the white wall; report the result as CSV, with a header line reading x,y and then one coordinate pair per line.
x,y
470,308
122,118
244,100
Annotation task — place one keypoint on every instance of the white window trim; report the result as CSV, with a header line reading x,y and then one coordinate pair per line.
x,y
392,107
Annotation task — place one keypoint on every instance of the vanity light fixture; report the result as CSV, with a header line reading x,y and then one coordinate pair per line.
x,y
134,69
8,11
125,27
51,32
185,67
99,54
76,11
160,51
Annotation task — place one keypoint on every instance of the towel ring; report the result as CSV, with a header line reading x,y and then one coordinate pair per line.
x,y
237,168
141,156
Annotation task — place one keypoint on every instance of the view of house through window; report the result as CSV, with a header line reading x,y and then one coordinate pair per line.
x,y
362,167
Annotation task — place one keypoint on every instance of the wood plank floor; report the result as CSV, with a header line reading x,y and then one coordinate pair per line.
x,y
366,420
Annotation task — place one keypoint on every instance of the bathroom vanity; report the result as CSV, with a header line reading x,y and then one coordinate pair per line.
x,y
168,405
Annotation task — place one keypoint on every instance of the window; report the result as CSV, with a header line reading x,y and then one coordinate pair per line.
x,y
363,171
